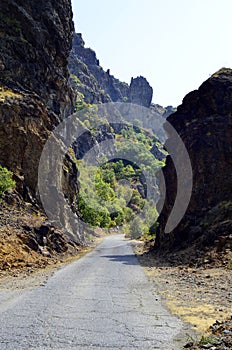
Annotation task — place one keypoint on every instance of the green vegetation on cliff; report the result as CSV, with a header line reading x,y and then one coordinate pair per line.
x,y
113,191
109,197
6,181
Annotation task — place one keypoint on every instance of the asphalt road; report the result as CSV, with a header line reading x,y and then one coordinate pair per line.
x,y
102,301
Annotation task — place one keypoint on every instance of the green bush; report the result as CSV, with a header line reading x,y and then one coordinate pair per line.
x,y
6,181
138,228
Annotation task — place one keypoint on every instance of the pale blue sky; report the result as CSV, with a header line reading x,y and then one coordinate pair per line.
x,y
175,44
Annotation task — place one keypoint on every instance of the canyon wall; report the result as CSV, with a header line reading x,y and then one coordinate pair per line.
x,y
203,121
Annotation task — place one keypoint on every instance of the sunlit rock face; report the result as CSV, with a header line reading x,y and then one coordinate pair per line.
x,y
203,121
35,93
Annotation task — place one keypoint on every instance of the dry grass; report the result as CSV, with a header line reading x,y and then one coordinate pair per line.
x,y
199,296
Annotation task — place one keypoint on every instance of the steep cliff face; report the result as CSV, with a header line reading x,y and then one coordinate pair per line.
x,y
99,86
140,92
204,123
36,39
35,96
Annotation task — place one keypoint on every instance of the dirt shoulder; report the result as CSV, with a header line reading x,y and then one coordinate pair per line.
x,y
199,296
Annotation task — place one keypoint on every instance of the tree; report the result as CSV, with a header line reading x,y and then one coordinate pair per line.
x,y
6,181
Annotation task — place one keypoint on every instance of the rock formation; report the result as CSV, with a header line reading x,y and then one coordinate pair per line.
x,y
203,121
99,86
157,153
140,92
35,96
35,92
36,39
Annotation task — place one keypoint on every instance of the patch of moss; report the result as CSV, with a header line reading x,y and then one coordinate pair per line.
x,y
9,20
12,23
8,93
75,78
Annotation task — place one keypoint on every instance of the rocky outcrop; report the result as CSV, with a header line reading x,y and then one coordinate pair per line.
x,y
157,152
203,121
87,141
96,85
29,242
99,86
35,94
36,39
140,92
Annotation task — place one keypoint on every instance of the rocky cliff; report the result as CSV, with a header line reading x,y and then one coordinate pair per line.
x,y
98,85
35,95
204,123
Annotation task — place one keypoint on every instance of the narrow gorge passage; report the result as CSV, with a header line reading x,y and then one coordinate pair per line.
x,y
102,301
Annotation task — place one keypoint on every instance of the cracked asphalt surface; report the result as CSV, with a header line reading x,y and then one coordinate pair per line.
x,y
102,301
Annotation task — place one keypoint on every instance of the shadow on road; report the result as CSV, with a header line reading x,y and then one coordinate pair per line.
x,y
129,259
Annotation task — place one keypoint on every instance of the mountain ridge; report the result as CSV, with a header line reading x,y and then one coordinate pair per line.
x,y
105,87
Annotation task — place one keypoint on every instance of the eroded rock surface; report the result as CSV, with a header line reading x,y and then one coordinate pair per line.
x,y
35,92
203,122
